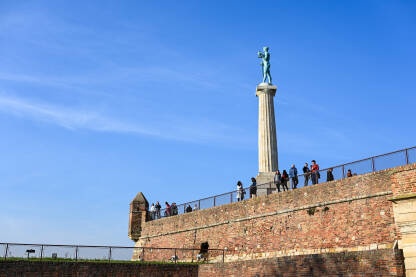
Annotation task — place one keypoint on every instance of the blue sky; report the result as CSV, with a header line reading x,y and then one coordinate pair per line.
x,y
102,99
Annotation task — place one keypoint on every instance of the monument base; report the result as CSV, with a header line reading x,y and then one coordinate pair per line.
x,y
265,184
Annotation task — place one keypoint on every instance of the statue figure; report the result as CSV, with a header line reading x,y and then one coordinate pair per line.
x,y
265,63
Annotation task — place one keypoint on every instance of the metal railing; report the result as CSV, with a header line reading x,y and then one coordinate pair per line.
x,y
96,253
371,164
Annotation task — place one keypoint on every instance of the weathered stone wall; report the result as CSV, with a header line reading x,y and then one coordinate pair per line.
x,y
79,269
352,214
360,263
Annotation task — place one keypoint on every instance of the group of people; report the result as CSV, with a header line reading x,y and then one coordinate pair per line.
x,y
281,181
170,210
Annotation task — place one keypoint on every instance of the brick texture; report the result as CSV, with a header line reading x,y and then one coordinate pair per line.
x,y
365,263
61,269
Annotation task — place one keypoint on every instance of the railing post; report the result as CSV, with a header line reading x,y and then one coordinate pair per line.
x,y
5,252
214,201
184,208
76,253
41,252
343,172
199,204
373,166
407,156
109,255
231,197
223,255
175,256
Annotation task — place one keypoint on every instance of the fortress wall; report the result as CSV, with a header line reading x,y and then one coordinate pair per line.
x,y
360,263
352,214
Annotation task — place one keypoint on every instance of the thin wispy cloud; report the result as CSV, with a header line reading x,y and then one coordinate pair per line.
x,y
72,119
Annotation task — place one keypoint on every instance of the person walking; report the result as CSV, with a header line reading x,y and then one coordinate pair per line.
x,y
306,174
167,209
240,191
278,180
293,175
253,188
315,173
152,211
329,175
158,207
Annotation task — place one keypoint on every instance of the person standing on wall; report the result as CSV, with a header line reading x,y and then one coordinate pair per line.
x,y
167,209
240,191
306,174
315,172
293,175
278,180
253,188
329,175
285,179
158,207
152,211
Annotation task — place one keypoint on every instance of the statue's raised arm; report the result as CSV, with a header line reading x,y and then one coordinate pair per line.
x,y
265,63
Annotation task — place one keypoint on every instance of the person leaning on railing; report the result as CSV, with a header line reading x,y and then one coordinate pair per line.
x,y
240,191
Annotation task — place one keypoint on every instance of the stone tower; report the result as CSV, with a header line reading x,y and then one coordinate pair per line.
x,y
268,161
138,214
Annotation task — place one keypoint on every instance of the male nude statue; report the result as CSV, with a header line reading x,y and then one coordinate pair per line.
x,y
265,63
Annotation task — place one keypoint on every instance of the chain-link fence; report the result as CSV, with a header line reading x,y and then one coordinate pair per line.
x,y
376,163
88,253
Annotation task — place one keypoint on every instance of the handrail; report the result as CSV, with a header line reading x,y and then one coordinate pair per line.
x,y
372,158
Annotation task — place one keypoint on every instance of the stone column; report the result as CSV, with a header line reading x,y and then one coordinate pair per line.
x,y
268,162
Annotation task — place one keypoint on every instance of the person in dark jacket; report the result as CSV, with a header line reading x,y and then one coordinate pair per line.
x,y
329,175
349,173
158,207
285,179
278,180
174,209
293,175
253,188
306,174
188,209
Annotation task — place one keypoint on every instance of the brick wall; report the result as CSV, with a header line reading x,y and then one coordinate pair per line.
x,y
49,269
353,214
361,263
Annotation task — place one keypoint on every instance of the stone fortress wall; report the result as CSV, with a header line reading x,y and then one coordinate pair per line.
x,y
371,215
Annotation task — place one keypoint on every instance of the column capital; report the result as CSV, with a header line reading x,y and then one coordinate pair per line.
x,y
264,88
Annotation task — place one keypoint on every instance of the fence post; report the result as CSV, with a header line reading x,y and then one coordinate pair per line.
x,y
41,252
109,255
407,157
343,172
5,252
373,166
76,253
231,197
199,204
214,201
184,208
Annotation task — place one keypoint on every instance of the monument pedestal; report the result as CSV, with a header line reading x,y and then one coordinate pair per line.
x,y
265,183
268,163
